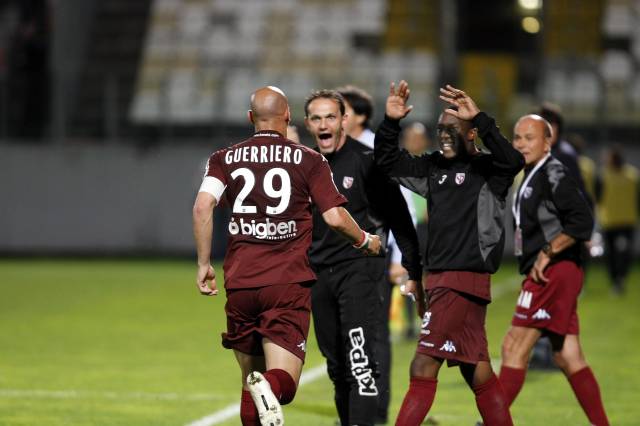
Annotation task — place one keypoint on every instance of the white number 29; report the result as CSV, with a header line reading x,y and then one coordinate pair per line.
x,y
283,194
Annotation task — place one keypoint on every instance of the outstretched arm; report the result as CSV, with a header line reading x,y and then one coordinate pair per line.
x,y
339,219
389,158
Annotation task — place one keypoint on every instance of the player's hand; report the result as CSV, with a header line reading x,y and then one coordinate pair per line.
x,y
467,109
206,280
396,107
397,274
537,272
414,290
373,248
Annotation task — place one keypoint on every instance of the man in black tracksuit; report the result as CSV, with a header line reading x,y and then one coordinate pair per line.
x,y
346,300
466,192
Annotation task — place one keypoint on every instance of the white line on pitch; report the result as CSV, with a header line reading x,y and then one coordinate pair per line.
x,y
234,409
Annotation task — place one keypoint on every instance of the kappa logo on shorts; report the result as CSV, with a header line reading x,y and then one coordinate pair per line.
x,y
541,314
448,346
347,182
303,346
460,178
360,364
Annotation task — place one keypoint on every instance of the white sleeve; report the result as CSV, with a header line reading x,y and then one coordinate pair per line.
x,y
213,186
408,197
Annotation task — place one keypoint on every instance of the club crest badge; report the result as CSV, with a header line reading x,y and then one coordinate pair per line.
x,y
527,192
347,182
459,178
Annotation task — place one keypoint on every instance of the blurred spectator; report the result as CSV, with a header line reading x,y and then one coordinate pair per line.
x,y
617,200
28,70
415,139
586,165
359,110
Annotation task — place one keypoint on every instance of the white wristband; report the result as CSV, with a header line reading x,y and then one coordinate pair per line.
x,y
365,241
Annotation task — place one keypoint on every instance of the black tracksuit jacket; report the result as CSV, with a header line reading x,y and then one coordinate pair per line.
x,y
465,196
375,203
552,203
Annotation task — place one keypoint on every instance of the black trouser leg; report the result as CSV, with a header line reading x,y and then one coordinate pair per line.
x,y
383,354
326,322
360,311
347,306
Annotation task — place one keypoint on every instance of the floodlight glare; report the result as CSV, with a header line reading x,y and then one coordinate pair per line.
x,y
530,4
531,25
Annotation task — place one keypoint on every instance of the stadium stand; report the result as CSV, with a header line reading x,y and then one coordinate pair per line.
x,y
198,54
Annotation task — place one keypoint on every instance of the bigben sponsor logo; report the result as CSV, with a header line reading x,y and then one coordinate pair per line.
x,y
263,230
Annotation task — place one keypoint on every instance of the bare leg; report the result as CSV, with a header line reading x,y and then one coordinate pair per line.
x,y
277,357
425,366
569,356
249,363
476,374
517,345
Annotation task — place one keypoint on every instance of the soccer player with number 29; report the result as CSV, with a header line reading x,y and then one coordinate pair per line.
x,y
269,182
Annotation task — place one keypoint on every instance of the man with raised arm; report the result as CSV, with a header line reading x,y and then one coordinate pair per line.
x,y
466,191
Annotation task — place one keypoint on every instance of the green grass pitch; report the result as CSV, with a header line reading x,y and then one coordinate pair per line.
x,y
131,342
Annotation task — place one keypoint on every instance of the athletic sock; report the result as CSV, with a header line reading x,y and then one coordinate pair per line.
x,y
511,380
492,403
417,401
282,385
248,410
585,387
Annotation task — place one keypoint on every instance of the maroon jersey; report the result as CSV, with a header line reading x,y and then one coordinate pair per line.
x,y
269,183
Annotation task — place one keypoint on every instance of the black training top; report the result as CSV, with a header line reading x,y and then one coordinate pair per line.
x,y
552,203
375,203
465,196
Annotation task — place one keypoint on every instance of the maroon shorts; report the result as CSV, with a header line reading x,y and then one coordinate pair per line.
x,y
552,306
453,327
278,312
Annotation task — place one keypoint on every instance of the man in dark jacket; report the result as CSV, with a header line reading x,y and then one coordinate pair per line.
x,y
346,300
